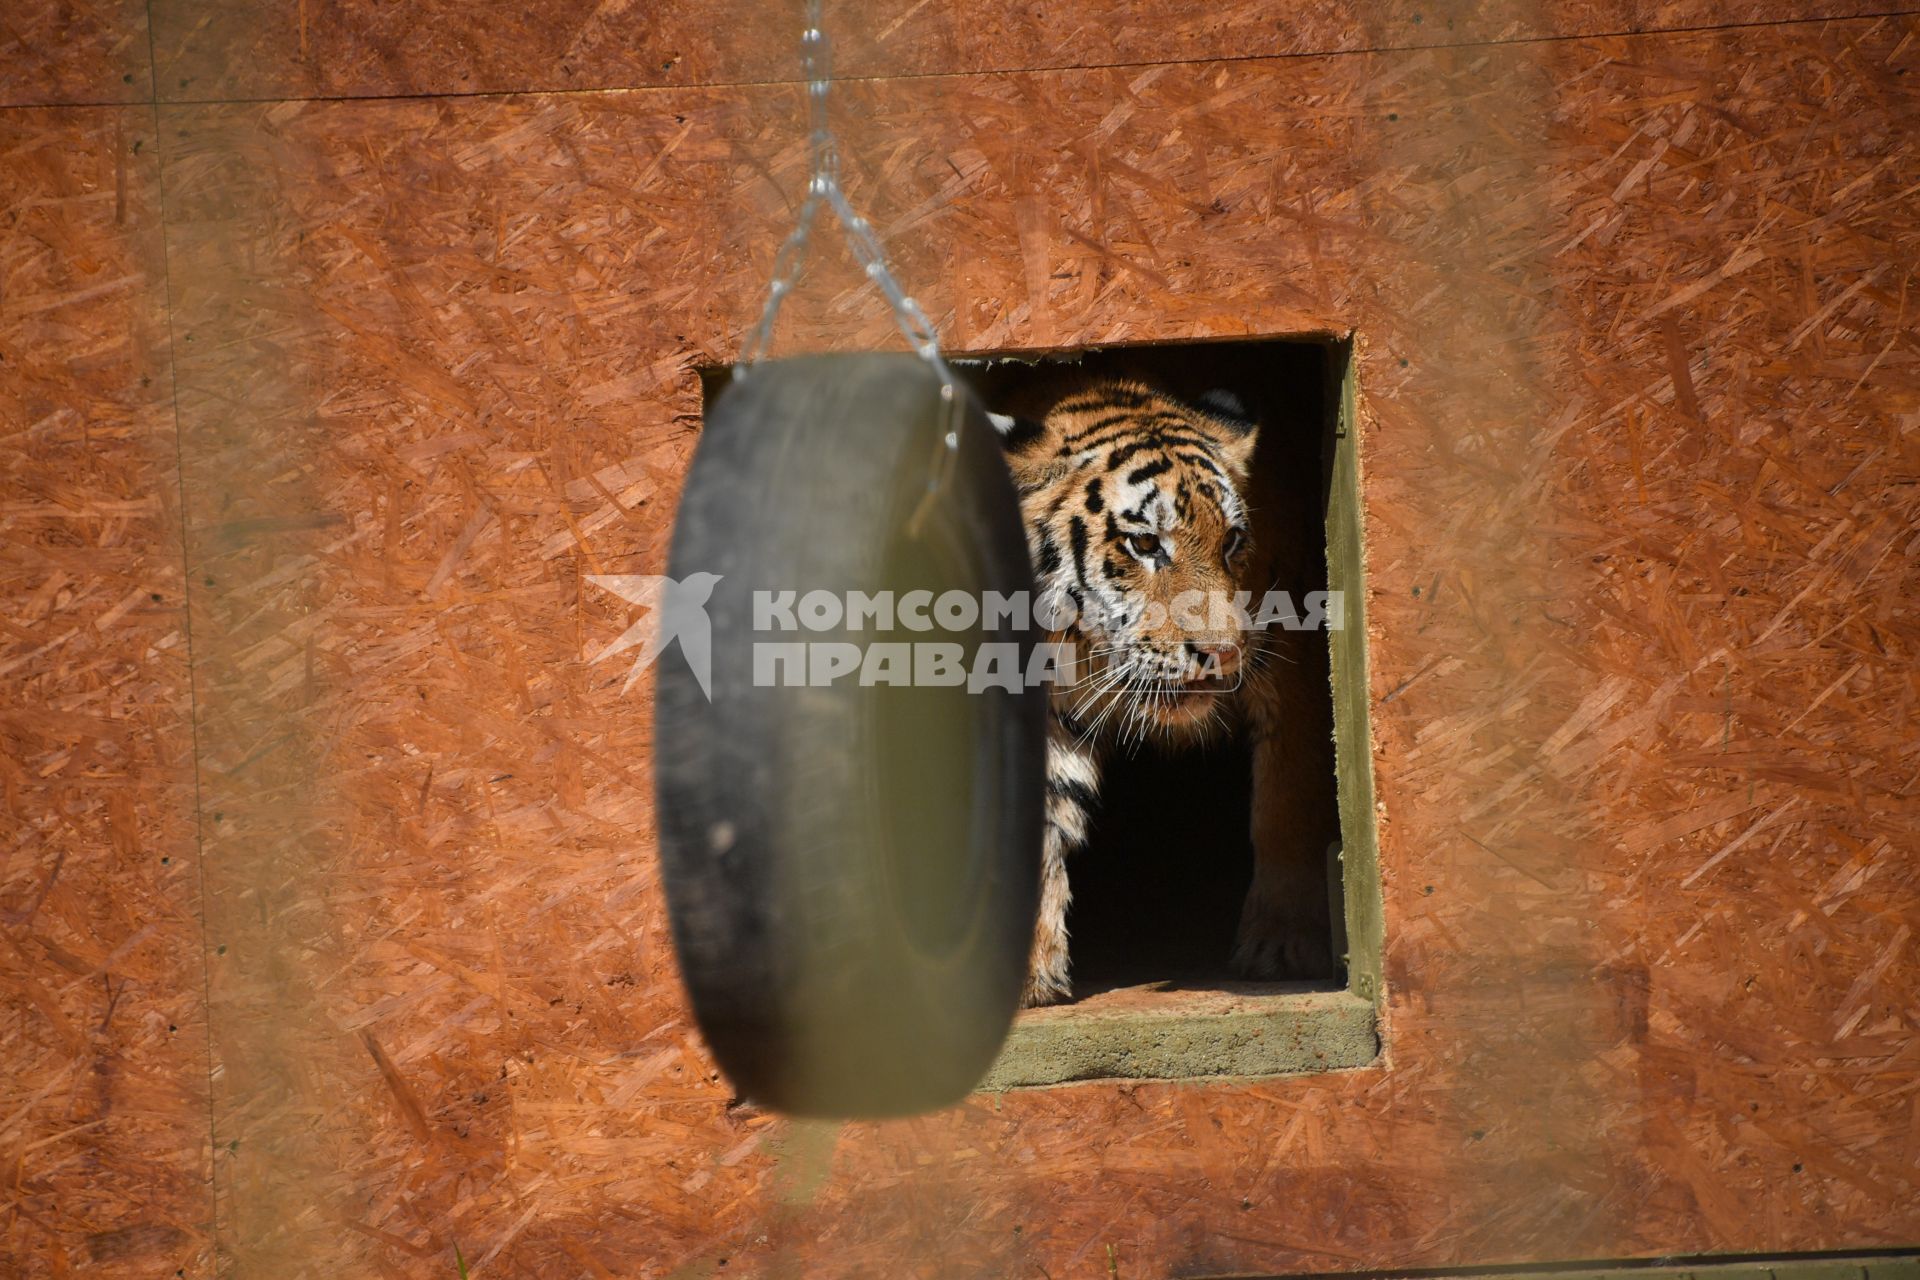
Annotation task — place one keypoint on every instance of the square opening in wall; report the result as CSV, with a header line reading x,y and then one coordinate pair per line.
x,y
1225,901
1211,885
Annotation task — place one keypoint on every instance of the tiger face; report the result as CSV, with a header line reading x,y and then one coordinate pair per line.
x,y
1138,529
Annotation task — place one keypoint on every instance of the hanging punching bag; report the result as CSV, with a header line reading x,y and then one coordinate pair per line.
x,y
850,841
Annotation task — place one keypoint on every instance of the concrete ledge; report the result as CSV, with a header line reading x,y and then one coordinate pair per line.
x,y
1162,1032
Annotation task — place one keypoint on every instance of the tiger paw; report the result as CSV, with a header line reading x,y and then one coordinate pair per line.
x,y
1048,980
1046,984
1045,991
1269,947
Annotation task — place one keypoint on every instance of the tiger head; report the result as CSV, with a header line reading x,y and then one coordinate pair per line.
x,y
1138,530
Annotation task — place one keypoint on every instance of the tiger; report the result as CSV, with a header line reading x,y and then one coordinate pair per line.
x,y
1130,497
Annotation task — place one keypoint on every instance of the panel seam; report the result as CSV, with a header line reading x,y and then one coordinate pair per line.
x,y
797,81
155,107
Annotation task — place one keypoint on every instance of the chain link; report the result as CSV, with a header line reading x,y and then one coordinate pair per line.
x,y
823,187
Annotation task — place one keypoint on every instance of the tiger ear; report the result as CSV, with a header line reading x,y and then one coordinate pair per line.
x,y
1016,434
1222,403
1237,429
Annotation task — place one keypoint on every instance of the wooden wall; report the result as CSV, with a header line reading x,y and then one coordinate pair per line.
x,y
332,365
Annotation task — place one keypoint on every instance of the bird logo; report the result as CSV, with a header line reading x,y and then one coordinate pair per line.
x,y
676,610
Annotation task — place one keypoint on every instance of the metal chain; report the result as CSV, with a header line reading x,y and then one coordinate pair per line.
x,y
823,187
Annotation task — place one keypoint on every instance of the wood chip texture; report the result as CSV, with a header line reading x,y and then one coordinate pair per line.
x,y
333,942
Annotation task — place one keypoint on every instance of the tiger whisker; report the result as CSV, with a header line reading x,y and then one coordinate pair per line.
x,y
1115,677
1121,680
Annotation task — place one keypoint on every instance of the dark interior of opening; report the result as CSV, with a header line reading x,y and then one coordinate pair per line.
x,y
1157,892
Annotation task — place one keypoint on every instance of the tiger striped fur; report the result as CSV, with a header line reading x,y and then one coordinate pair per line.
x,y
1132,497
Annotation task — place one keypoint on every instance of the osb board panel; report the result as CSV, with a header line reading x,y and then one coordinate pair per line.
x,y
398,848
56,52
208,50
103,1068
1637,362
